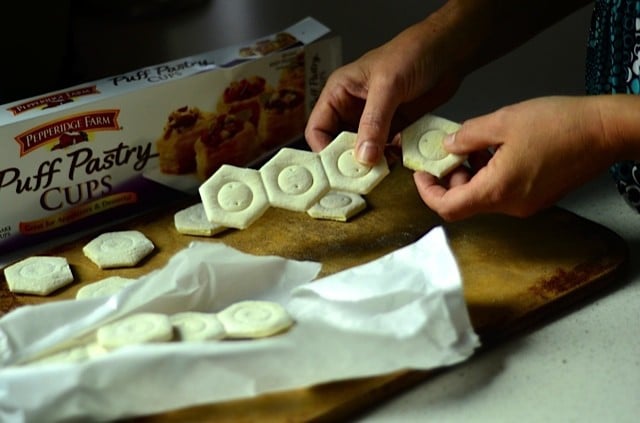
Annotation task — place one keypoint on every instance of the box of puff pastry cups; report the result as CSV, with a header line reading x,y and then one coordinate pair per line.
x,y
114,148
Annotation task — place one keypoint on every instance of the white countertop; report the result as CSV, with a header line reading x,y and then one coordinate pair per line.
x,y
582,366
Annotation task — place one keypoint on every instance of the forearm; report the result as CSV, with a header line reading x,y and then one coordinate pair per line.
x,y
471,33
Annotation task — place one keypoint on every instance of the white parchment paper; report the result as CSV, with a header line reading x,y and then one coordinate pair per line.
x,y
405,310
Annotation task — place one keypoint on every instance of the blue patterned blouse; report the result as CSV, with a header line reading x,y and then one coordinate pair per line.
x,y
613,66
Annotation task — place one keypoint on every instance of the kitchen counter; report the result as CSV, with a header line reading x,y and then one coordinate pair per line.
x,y
583,365
579,364
565,369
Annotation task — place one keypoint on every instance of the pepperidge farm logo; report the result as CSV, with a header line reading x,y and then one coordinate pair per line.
x,y
69,131
78,182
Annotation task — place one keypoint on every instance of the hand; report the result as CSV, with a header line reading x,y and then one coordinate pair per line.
x,y
543,148
381,93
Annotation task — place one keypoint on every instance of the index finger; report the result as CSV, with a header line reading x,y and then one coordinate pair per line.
x,y
375,122
322,125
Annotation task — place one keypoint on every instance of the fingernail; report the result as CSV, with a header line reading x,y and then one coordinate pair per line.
x,y
449,139
367,152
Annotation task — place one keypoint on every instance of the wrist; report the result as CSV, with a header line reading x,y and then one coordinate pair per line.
x,y
618,119
448,40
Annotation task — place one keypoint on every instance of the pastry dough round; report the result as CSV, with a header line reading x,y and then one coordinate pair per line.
x,y
137,328
235,196
335,200
196,326
254,319
349,166
295,180
71,355
430,145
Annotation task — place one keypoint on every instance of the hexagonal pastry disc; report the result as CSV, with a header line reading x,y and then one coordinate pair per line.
x,y
103,288
422,148
234,196
338,205
294,179
193,221
38,275
345,173
118,249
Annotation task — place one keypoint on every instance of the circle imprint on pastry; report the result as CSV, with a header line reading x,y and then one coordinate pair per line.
x,y
430,145
252,314
295,179
192,325
335,201
196,326
116,242
349,166
108,286
235,196
39,269
134,327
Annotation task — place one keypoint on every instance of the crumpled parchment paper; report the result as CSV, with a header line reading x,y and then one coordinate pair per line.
x,y
405,310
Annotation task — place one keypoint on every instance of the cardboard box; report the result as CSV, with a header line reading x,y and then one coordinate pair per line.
x,y
113,148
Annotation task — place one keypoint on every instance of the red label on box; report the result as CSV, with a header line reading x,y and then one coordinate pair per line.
x,y
69,131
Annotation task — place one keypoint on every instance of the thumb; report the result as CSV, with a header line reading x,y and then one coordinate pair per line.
x,y
468,140
375,123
